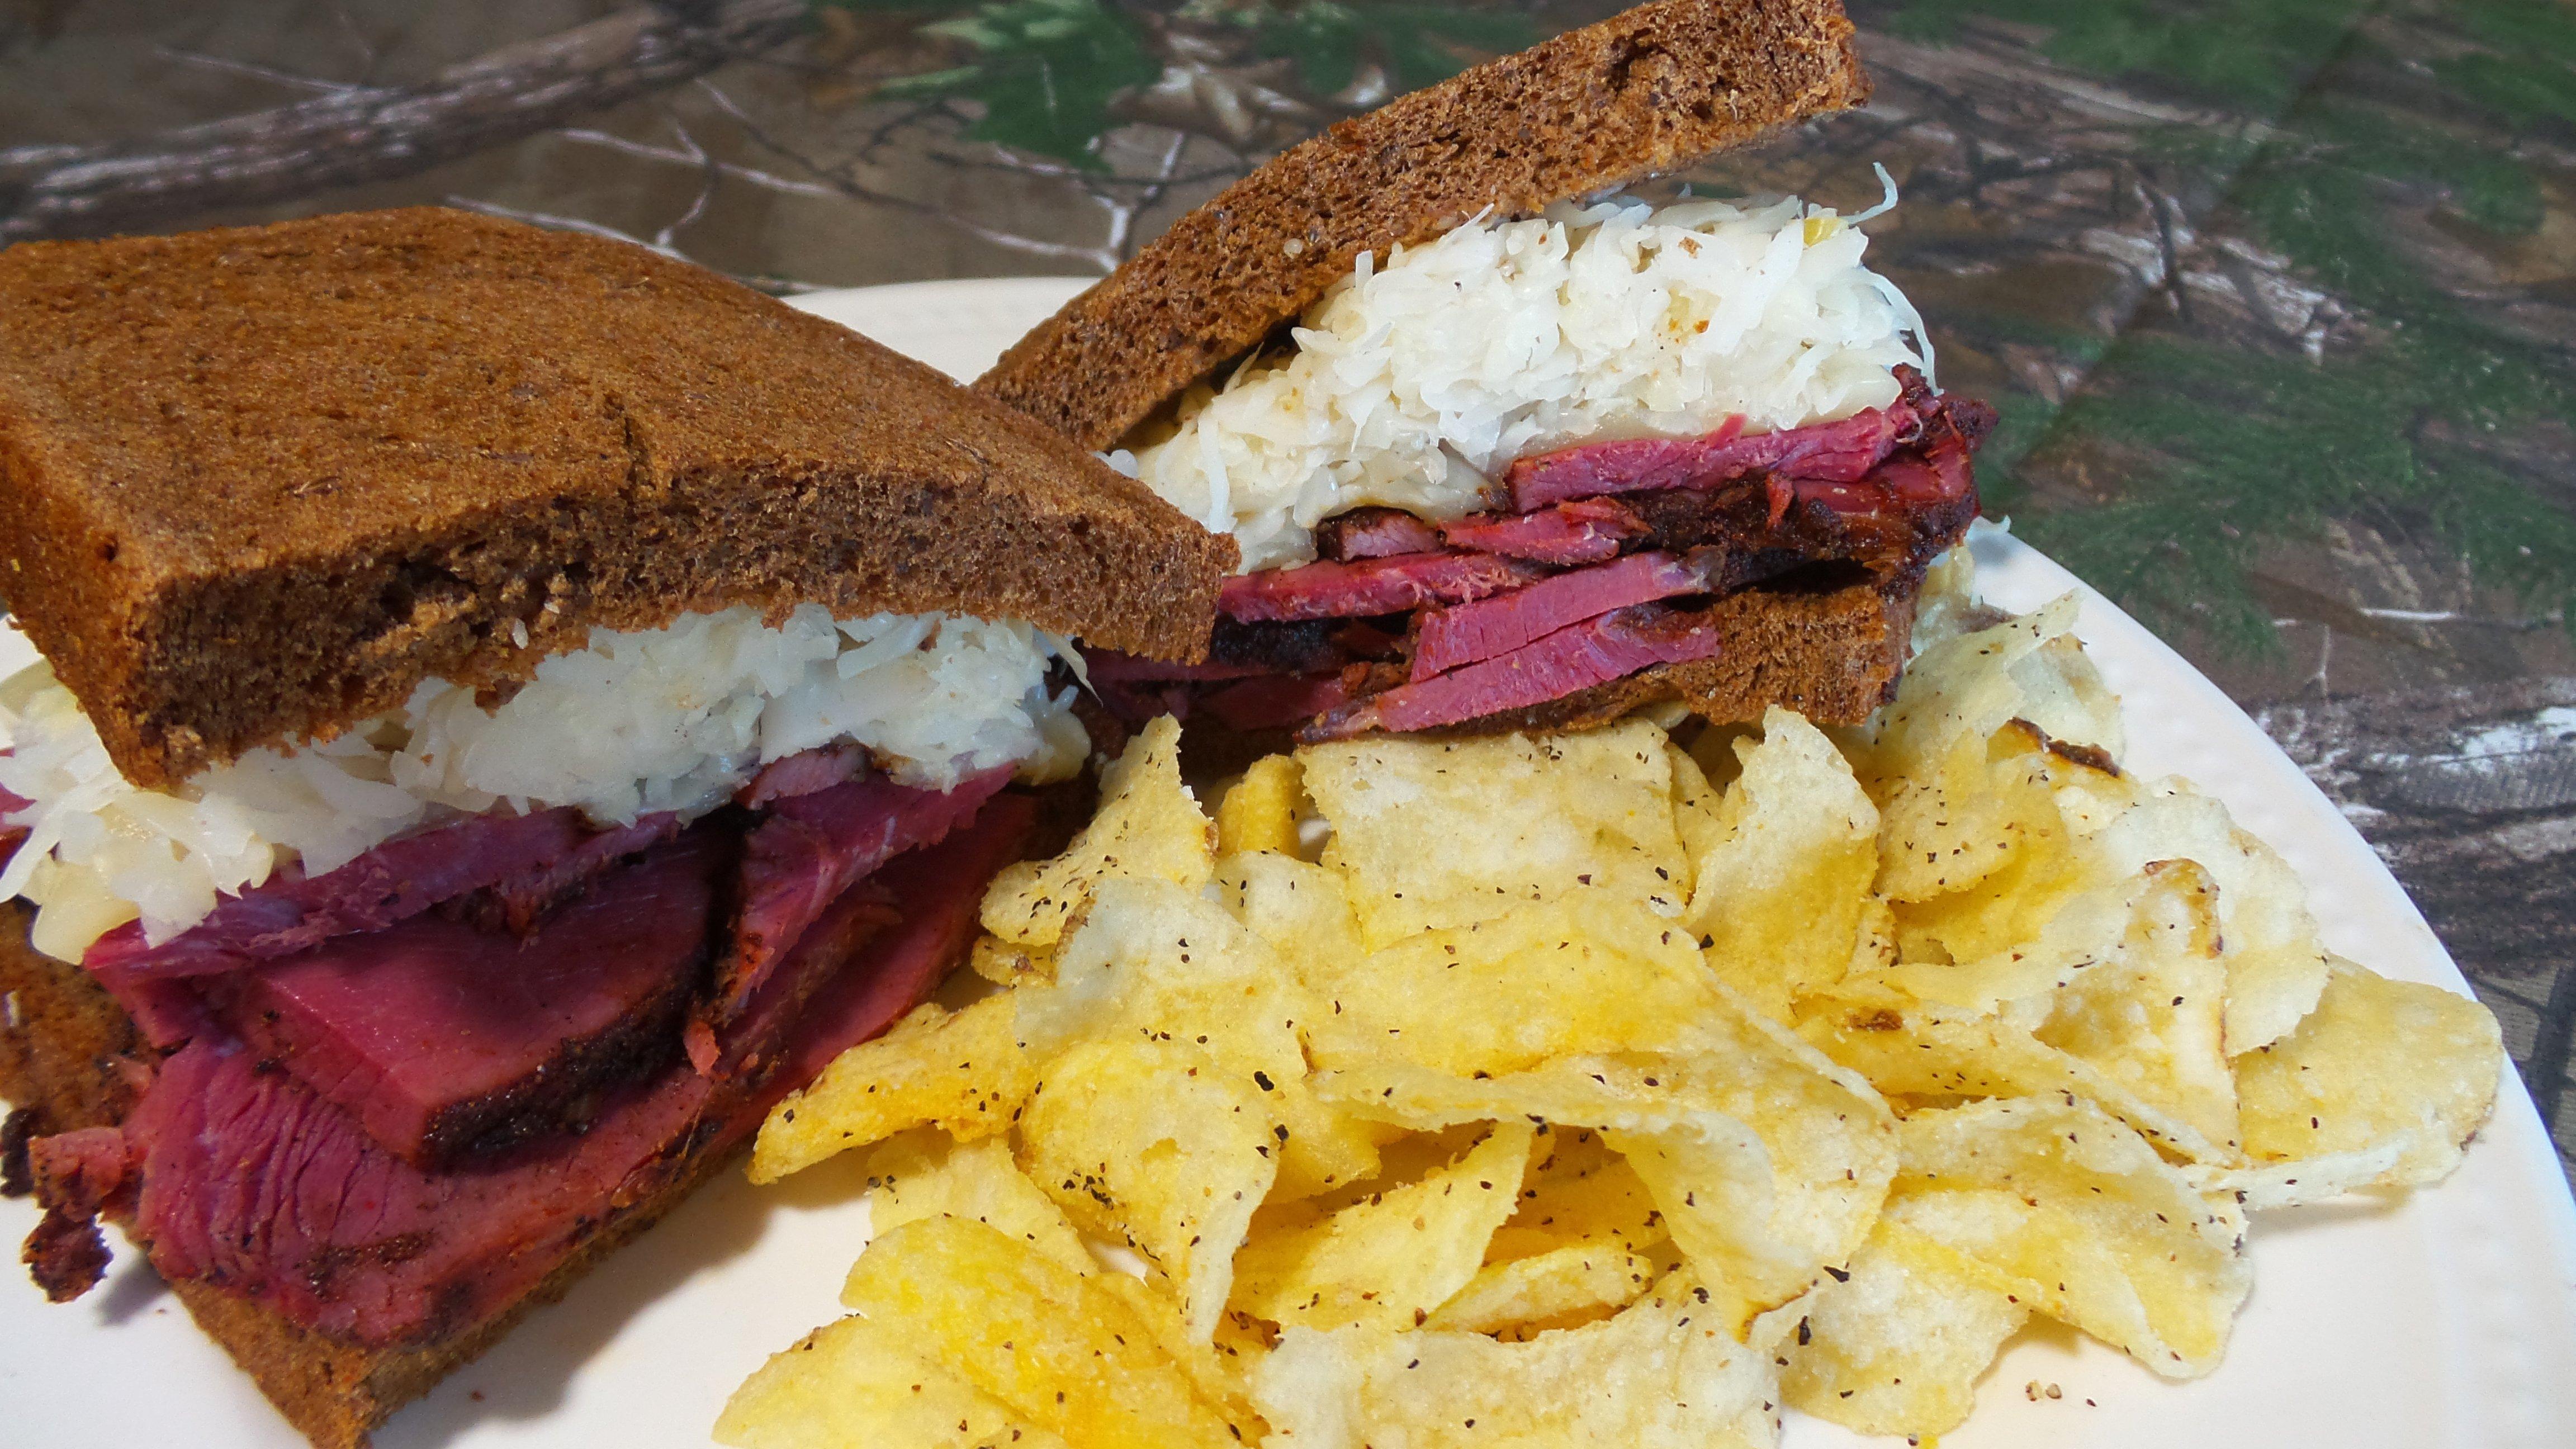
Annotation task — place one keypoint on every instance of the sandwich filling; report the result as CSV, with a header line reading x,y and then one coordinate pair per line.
x,y
430,1005
1518,463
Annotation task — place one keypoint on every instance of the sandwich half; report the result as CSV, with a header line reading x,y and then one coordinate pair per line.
x,y
1505,450
510,708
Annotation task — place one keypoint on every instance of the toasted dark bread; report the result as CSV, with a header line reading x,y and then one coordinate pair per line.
x,y
256,484
1646,91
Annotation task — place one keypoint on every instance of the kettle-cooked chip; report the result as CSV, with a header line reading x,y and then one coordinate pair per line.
x,y
2378,1062
1897,1345
1057,1348
1586,972
1431,833
2275,964
1578,1191
2081,1220
2064,694
1006,963
1581,1275
1659,1374
1777,892
1161,1146
921,1174
2150,1017
1299,908
961,1071
1766,1161
1922,1050
1389,1259
1148,827
1259,811
858,1382
1154,962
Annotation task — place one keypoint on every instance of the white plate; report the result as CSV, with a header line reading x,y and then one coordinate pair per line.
x,y
2448,1320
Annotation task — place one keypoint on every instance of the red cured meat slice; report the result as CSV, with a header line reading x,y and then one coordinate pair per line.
x,y
1453,637
1587,530
529,858
1376,586
1373,532
1258,704
440,1037
1593,652
812,848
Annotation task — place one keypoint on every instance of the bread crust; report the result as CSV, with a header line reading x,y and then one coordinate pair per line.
x,y
1646,91
257,483
1833,655
61,1049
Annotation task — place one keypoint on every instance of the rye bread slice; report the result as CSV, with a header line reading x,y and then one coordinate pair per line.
x,y
1646,91
257,483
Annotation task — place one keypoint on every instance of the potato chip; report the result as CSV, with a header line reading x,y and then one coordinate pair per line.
x,y
2304,1180
1925,1051
1660,1374
1585,972
1694,810
2080,1220
1161,1146
1578,1191
1260,811
1765,1160
1298,908
1792,848
1433,833
2378,1062
1896,1345
921,1174
858,1382
1952,698
1054,1346
2151,1016
2064,694
1155,962
1947,605
1390,1259
1984,868
1579,1276
1148,827
962,1071
2275,964
1979,861
1007,963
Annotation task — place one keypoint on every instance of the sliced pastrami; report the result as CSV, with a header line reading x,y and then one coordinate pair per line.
x,y
939,891
810,849
252,1181
804,772
1372,532
863,983
1842,451
530,859
444,1039
1374,586
1586,530
1453,637
1593,652
1276,702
